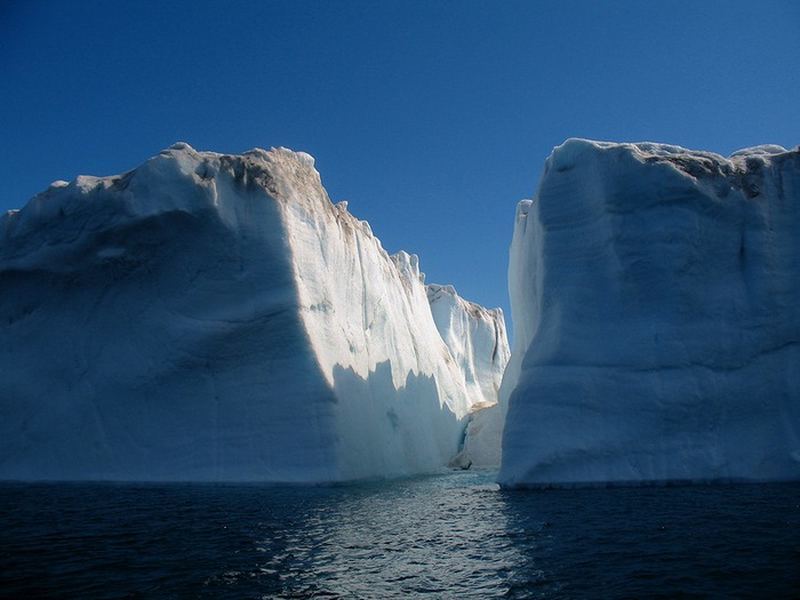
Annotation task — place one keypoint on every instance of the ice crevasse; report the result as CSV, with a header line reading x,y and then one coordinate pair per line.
x,y
216,317
655,294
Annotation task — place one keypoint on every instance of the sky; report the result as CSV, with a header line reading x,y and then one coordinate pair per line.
x,y
433,119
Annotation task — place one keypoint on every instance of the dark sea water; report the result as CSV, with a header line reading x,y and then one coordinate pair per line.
x,y
449,536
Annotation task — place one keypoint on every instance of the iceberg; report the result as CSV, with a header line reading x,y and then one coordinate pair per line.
x,y
654,293
214,317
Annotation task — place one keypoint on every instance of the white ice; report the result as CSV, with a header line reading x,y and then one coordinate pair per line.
x,y
477,340
216,317
654,293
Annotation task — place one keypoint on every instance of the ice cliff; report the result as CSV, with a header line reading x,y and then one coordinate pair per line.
x,y
216,317
655,296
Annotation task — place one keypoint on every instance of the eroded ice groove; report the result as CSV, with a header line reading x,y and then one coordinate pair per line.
x,y
216,317
657,325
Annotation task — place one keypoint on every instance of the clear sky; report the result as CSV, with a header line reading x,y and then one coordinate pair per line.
x,y
432,118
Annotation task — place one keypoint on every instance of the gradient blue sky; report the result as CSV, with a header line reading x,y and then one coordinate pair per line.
x,y
432,118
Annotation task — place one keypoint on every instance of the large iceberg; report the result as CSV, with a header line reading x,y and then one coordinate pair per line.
x,y
655,293
216,317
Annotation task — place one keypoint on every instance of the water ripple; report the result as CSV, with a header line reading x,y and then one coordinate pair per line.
x,y
450,536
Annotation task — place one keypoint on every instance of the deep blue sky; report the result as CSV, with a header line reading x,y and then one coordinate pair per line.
x,y
432,118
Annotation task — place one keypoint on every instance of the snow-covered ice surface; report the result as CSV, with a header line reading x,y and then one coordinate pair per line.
x,y
656,301
216,317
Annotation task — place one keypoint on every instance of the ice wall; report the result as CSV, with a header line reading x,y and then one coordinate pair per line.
x,y
655,293
216,317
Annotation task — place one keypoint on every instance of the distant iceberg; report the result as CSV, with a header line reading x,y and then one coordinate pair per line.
x,y
655,293
216,317
476,337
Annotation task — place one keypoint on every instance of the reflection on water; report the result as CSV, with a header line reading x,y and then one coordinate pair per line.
x,y
433,535
454,535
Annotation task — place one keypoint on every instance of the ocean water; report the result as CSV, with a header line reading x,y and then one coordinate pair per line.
x,y
450,536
